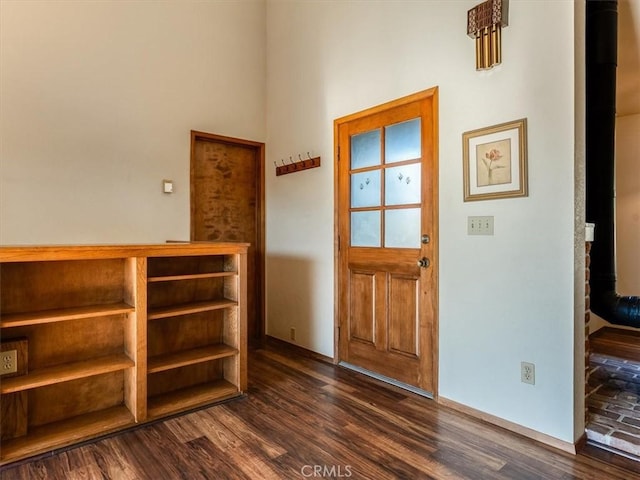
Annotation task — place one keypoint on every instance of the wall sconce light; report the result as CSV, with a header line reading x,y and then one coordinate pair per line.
x,y
484,24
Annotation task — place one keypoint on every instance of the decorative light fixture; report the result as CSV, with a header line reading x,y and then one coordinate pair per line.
x,y
484,24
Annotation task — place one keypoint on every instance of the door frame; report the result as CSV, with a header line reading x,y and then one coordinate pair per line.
x,y
259,148
431,93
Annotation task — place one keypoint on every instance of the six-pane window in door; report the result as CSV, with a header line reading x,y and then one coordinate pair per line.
x,y
386,186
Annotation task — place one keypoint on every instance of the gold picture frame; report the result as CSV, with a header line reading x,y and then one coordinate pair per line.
x,y
495,161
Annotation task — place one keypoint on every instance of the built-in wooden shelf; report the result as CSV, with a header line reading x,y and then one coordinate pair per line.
x,y
59,434
63,314
196,276
66,372
168,361
189,308
191,397
93,360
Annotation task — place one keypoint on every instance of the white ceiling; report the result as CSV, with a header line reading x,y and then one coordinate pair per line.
x,y
628,74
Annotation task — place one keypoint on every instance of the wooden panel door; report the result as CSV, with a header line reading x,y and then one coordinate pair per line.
x,y
387,204
227,205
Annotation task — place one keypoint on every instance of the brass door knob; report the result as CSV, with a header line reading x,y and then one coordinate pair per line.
x,y
424,262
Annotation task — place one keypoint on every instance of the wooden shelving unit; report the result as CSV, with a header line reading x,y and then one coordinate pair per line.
x,y
117,335
189,308
172,278
66,372
65,432
190,397
168,361
194,331
64,314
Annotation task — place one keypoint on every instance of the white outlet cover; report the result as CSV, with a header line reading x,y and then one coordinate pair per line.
x,y
167,186
528,373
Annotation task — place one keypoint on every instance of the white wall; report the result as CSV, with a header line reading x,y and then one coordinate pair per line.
x,y
98,99
503,299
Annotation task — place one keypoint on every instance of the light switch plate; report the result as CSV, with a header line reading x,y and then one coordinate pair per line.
x,y
480,225
167,186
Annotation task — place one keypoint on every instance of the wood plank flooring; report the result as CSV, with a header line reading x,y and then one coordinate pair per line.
x,y
304,418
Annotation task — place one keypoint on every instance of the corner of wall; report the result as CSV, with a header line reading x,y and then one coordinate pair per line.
x,y
580,335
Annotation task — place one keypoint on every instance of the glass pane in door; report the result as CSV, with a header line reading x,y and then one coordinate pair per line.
x,y
365,149
402,185
403,141
365,229
365,189
402,228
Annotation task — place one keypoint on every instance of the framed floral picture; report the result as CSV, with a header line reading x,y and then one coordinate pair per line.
x,y
495,161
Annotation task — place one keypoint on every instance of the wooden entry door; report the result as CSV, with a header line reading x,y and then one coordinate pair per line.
x,y
387,226
227,205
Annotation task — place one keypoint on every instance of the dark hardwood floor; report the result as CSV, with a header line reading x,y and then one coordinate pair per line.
x,y
304,418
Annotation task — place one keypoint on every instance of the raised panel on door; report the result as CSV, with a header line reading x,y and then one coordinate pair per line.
x,y
362,318
404,318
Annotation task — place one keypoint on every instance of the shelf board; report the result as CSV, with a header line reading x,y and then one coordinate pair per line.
x,y
160,363
66,372
186,398
189,308
63,314
66,432
194,276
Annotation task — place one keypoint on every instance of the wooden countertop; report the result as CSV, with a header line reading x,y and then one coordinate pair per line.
x,y
26,253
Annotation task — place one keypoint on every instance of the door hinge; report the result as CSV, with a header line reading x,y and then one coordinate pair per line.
x,y
338,242
338,153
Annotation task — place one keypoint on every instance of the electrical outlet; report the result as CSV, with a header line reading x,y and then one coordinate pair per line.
x,y
528,373
292,333
480,225
9,362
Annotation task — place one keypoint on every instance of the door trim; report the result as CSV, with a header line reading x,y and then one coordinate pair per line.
x,y
431,93
259,148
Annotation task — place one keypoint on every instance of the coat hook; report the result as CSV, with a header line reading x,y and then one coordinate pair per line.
x,y
275,163
290,160
282,160
308,155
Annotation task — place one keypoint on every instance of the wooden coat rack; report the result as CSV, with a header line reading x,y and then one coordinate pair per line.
x,y
298,166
